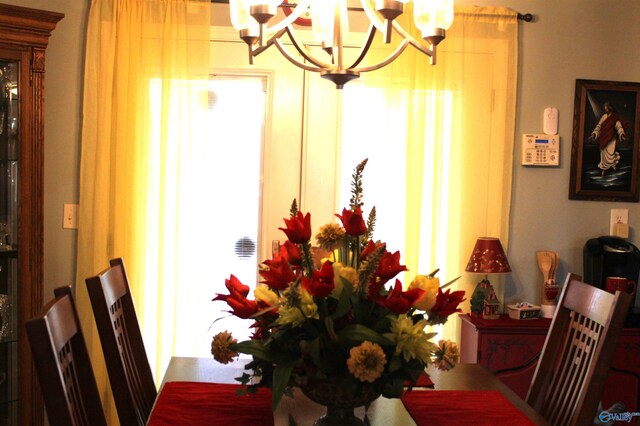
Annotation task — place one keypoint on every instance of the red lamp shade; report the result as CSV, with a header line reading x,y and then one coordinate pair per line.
x,y
488,257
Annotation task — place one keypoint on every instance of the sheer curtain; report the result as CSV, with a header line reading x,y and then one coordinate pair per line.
x,y
145,93
459,136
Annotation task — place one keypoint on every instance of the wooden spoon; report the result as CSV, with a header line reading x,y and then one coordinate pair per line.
x,y
544,263
554,266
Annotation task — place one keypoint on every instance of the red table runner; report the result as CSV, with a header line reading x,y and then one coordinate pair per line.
x,y
435,408
216,404
210,404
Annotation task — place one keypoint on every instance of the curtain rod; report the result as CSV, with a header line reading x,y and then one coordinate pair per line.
x,y
526,17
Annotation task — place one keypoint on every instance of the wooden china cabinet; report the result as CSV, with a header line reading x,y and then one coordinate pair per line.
x,y
24,35
511,348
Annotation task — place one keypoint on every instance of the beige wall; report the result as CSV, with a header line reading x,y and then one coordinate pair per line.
x,y
570,39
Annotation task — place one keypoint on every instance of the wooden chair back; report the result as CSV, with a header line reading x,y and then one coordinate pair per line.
x,y
63,366
134,390
577,354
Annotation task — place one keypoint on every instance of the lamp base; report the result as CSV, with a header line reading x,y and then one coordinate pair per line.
x,y
484,302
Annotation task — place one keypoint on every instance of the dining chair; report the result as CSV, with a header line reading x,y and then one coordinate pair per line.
x,y
63,365
134,390
577,354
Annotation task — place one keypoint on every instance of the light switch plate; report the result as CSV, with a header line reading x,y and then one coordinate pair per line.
x,y
618,216
70,216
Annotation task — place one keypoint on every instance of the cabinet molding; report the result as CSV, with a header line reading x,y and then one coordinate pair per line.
x,y
24,36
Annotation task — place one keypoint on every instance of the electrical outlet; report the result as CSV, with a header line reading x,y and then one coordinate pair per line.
x,y
618,216
70,216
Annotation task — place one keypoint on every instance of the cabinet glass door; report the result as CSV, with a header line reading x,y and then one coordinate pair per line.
x,y
8,241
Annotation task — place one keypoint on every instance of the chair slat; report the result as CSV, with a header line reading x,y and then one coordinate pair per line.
x,y
128,367
577,353
63,366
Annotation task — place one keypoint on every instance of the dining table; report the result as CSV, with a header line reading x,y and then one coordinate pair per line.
x,y
200,391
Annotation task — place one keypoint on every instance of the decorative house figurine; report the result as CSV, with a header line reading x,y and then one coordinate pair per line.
x,y
491,308
478,296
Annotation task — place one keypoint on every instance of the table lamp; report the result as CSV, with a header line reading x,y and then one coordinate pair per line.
x,y
487,257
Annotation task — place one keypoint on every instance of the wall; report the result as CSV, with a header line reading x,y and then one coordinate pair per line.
x,y
570,39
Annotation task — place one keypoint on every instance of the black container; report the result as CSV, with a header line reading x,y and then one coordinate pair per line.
x,y
613,257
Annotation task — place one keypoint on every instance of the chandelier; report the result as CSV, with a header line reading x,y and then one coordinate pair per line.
x,y
329,24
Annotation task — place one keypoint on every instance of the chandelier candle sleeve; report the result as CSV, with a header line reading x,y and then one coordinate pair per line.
x,y
330,26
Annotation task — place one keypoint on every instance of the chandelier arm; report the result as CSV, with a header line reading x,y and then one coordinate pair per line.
x,y
365,47
294,61
403,45
304,51
431,52
275,39
258,50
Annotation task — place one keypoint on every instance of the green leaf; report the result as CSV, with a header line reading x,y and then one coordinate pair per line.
x,y
252,347
344,303
394,388
395,364
360,333
281,376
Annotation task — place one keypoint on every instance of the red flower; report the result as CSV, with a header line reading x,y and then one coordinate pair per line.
x,y
235,287
298,228
353,222
400,301
242,307
369,248
291,253
237,298
279,274
321,284
390,266
447,303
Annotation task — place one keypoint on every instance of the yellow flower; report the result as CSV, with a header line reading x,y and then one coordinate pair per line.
x,y
266,295
366,362
330,236
430,286
297,306
348,273
220,347
447,355
411,340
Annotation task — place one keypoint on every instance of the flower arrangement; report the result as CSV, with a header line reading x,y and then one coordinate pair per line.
x,y
339,318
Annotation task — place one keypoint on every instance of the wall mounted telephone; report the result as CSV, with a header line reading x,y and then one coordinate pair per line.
x,y
540,150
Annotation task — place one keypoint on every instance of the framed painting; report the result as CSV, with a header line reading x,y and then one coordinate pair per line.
x,y
604,148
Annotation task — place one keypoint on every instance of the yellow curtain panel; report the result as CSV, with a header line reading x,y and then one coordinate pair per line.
x,y
146,62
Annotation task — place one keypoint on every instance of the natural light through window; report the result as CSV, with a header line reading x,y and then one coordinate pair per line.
x,y
217,205
383,140
382,135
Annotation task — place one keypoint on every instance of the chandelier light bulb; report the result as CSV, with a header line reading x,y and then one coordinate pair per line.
x,y
240,17
325,15
433,18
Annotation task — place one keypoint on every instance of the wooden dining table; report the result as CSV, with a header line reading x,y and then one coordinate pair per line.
x,y
300,411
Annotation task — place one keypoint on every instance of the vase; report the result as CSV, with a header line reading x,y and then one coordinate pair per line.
x,y
341,400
